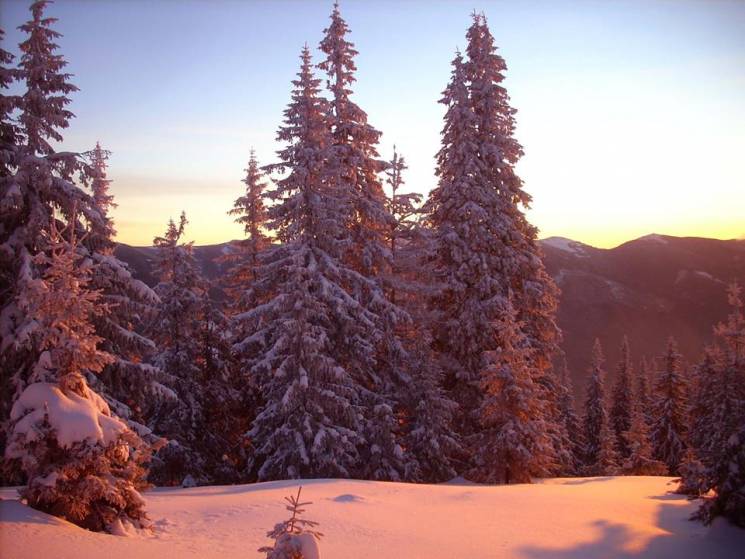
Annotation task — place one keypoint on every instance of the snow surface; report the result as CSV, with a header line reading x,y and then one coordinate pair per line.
x,y
591,518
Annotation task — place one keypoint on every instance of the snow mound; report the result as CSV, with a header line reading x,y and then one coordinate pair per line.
x,y
74,418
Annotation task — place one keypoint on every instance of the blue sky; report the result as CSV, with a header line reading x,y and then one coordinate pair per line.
x,y
632,114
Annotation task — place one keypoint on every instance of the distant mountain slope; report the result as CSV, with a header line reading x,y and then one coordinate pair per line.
x,y
648,288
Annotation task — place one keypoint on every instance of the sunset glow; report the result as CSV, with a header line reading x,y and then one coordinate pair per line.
x,y
632,114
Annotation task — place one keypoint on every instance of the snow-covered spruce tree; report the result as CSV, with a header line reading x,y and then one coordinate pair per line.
x,y
249,211
176,331
639,461
642,390
296,537
354,164
693,479
36,186
600,456
402,229
729,483
426,411
670,413
310,344
353,172
704,435
568,418
622,404
129,385
8,104
81,462
550,389
513,444
535,294
482,245
725,464
227,400
430,442
465,303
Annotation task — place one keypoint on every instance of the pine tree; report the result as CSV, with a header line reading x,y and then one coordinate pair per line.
x,y
600,456
621,409
514,445
36,187
482,246
669,410
82,462
311,346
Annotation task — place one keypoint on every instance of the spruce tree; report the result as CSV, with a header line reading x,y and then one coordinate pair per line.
x,y
249,211
81,462
642,390
621,408
549,393
402,230
353,172
669,410
514,444
729,483
37,186
8,104
599,457
482,246
311,346
353,159
129,385
639,461
568,418
725,453
704,435
176,330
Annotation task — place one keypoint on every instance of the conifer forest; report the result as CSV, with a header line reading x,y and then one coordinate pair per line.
x,y
358,330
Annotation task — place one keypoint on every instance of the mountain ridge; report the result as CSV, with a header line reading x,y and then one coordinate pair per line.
x,y
646,288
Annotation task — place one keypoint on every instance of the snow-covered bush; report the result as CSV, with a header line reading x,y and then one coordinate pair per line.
x,y
82,463
294,538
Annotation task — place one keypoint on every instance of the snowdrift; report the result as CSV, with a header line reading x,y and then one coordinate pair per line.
x,y
591,518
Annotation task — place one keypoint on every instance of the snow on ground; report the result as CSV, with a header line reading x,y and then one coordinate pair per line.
x,y
591,518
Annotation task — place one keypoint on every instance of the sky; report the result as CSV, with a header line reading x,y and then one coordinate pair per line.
x,y
631,113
